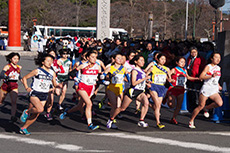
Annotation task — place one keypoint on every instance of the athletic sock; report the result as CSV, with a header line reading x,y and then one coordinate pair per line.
x,y
89,121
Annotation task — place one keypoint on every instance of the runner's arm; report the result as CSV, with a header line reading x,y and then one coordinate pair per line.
x,y
29,75
203,75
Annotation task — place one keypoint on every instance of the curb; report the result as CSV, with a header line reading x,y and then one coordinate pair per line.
x,y
21,53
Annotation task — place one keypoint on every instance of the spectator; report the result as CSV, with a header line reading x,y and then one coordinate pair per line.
x,y
5,43
195,65
1,44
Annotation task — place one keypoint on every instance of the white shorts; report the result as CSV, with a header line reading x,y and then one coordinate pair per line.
x,y
208,90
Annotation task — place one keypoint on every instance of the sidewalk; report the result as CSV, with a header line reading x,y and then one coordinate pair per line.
x,y
22,53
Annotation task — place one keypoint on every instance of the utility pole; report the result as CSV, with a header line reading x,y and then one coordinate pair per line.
x,y
150,26
186,22
194,21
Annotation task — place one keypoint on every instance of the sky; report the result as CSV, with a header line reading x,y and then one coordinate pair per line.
x,y
226,7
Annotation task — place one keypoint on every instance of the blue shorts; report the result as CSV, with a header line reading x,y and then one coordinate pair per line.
x,y
41,95
159,89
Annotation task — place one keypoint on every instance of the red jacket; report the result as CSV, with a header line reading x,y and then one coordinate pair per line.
x,y
197,66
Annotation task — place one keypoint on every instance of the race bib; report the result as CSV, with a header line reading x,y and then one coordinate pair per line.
x,y
89,79
181,81
140,86
160,78
215,80
44,85
118,79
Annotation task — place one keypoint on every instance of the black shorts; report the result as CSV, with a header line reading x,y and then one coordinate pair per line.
x,y
41,95
133,93
62,78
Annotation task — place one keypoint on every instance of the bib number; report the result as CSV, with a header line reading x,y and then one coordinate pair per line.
x,y
159,78
140,86
118,79
180,81
44,85
89,79
215,80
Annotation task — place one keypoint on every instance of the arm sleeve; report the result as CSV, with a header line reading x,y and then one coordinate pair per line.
x,y
3,76
73,73
62,69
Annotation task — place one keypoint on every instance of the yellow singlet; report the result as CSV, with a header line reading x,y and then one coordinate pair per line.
x,y
116,84
158,76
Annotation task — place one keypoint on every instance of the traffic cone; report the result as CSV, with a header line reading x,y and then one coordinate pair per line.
x,y
226,106
225,98
184,104
217,115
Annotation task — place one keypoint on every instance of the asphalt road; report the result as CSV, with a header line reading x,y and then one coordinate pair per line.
x,y
72,135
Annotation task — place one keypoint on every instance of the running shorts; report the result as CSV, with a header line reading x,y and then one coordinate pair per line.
x,y
41,95
9,86
159,89
62,78
207,91
175,91
88,88
133,93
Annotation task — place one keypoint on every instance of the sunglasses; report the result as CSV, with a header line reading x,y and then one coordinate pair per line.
x,y
65,54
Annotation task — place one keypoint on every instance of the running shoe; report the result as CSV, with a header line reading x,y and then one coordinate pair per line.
x,y
24,116
24,131
93,127
173,121
101,104
62,116
109,124
191,125
142,124
60,108
206,113
114,121
160,126
48,116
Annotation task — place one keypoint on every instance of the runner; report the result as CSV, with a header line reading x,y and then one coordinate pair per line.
x,y
128,84
116,73
57,68
89,72
159,75
135,92
43,77
76,78
211,76
11,74
106,83
63,77
176,91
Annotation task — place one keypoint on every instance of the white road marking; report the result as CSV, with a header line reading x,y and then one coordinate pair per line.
x,y
220,133
192,145
66,147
